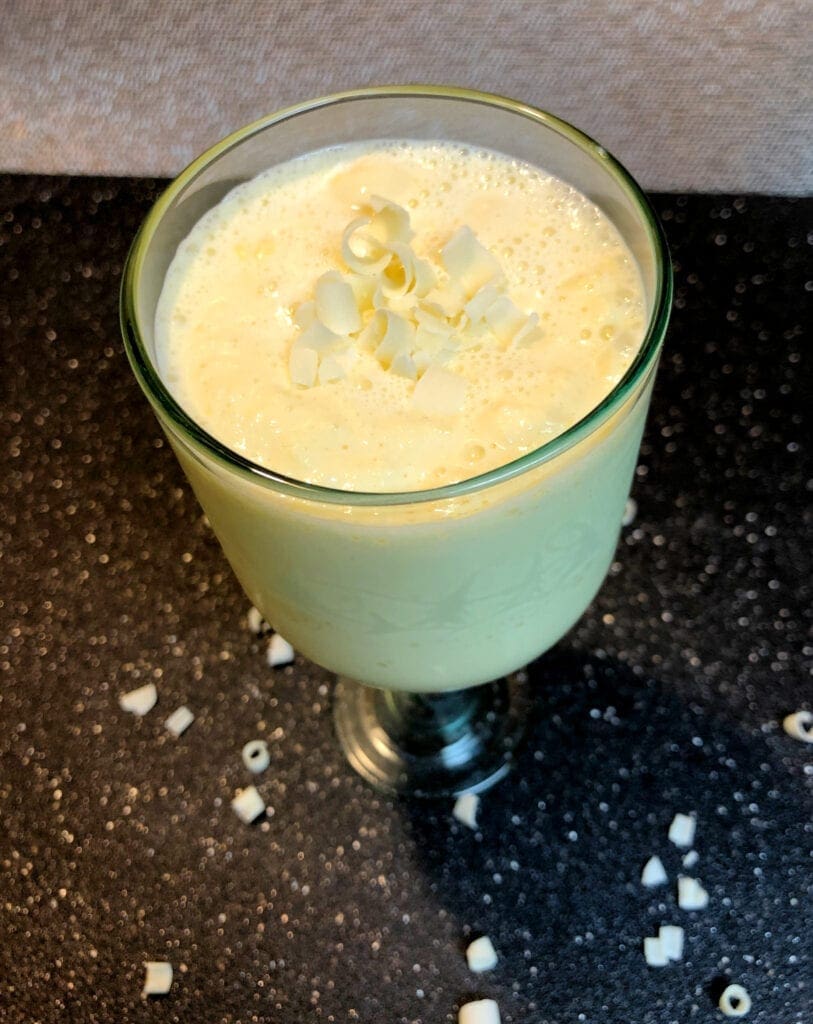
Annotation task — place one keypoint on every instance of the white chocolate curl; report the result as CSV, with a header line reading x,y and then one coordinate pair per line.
x,y
735,1001
799,725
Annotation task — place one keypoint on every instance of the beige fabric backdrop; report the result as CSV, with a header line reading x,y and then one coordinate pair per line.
x,y
709,94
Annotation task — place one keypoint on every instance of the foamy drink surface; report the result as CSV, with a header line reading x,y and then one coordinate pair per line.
x,y
431,371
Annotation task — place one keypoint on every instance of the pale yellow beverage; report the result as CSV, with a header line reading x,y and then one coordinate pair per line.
x,y
417,595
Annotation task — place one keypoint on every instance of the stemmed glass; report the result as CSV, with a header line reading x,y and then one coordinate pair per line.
x,y
425,604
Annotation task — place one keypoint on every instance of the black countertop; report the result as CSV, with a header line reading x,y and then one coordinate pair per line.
x,y
117,842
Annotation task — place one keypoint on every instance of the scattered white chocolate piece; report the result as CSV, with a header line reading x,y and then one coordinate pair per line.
x,y
799,725
481,1011
671,938
179,721
690,859
691,894
157,978
654,873
279,652
255,756
654,953
255,621
682,829
630,512
466,807
140,701
735,1001
481,955
248,804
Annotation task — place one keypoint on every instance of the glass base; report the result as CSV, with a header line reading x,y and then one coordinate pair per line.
x,y
431,744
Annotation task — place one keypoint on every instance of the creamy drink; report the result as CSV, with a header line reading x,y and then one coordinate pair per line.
x,y
398,317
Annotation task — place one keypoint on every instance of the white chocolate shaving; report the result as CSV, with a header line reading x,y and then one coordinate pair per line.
x,y
691,894
481,955
279,652
654,953
255,621
465,809
303,366
390,222
671,938
529,332
330,369
255,756
179,721
248,804
305,314
157,978
140,701
318,338
799,725
404,366
399,336
371,258
505,320
481,1011
690,859
477,306
468,262
682,829
734,1001
653,873
336,304
439,392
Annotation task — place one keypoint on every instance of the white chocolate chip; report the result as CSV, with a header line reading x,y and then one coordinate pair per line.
x,y
690,859
653,873
248,804
481,1011
671,937
140,701
682,829
465,809
157,978
179,721
255,621
481,955
279,652
654,953
691,894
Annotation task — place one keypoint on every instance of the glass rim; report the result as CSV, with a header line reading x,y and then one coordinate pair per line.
x,y
194,435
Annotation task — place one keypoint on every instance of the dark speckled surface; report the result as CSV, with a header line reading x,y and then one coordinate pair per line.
x,y
117,843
